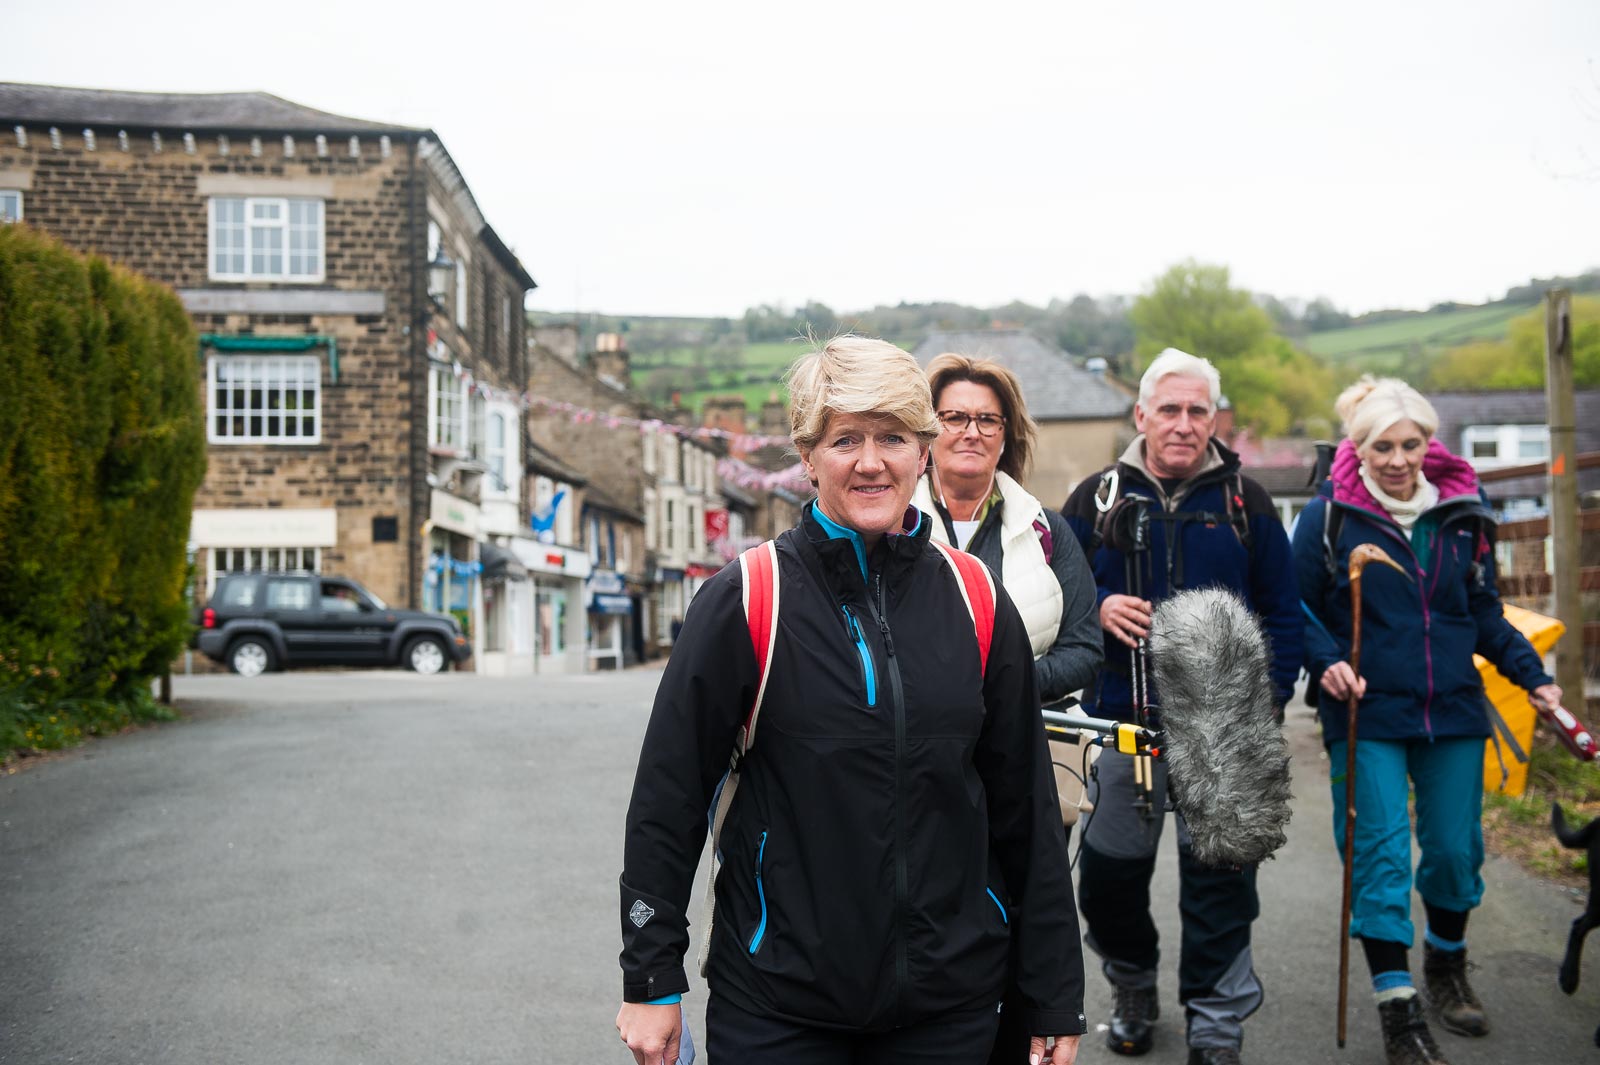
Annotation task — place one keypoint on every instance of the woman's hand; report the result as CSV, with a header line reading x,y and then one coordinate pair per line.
x,y
1127,617
1546,697
651,1032
1339,680
1064,1052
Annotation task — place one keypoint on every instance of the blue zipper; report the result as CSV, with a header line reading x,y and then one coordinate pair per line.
x,y
868,673
761,893
1003,918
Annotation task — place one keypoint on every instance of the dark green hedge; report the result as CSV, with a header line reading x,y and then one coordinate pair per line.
x,y
102,446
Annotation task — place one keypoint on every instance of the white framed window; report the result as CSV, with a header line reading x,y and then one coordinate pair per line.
x,y
1487,446
647,447
221,560
500,451
264,399
264,238
649,512
447,409
10,205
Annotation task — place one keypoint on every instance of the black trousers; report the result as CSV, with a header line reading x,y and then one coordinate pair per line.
x,y
734,1037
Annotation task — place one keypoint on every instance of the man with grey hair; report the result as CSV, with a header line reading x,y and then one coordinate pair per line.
x,y
1174,512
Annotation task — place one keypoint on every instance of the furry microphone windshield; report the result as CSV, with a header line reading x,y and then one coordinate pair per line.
x,y
1227,760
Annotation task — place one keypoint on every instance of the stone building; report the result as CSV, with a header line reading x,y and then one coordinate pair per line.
x,y
653,482
361,323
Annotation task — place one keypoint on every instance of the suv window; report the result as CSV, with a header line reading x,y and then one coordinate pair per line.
x,y
340,598
237,592
288,595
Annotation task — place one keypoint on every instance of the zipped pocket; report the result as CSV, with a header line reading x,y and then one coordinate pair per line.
x,y
869,675
761,894
1002,907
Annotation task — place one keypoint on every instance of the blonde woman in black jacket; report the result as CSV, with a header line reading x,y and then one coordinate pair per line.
x,y
897,818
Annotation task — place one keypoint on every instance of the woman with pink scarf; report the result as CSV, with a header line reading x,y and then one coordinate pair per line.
x,y
1422,717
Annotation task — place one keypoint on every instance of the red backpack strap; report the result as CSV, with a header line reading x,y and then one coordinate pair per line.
x,y
758,567
977,590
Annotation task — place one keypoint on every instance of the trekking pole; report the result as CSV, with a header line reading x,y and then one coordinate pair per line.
x,y
1137,547
1359,557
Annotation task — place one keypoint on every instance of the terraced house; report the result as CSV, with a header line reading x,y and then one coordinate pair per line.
x,y
361,323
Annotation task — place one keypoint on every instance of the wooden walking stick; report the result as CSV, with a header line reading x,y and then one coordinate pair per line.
x,y
1359,557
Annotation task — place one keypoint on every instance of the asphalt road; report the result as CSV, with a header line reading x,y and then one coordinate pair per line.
x,y
333,869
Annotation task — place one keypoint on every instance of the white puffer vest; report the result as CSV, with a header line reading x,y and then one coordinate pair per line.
x,y
1025,572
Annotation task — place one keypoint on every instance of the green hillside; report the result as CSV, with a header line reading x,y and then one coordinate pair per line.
x,y
1397,345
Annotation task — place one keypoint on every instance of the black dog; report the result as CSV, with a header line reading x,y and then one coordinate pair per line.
x,y
1587,837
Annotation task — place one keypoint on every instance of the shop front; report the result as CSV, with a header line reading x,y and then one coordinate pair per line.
x,y
557,578
508,609
610,619
450,579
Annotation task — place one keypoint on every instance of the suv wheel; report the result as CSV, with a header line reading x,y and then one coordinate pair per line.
x,y
250,657
425,654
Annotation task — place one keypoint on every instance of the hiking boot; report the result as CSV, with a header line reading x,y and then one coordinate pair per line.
x,y
1213,1056
1406,1039
1131,1017
1458,1009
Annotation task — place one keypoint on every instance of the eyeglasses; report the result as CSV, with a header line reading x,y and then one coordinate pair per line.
x,y
956,421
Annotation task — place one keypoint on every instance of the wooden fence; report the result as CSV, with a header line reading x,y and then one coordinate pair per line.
x,y
1525,577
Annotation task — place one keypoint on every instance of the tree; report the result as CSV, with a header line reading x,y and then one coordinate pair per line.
x,y
102,445
1518,361
1194,307
1273,386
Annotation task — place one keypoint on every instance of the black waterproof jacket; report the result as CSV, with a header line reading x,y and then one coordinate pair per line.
x,y
896,818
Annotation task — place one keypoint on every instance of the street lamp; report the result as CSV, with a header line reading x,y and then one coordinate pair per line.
x,y
441,271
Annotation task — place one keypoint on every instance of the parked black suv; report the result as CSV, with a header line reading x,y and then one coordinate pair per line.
x,y
257,622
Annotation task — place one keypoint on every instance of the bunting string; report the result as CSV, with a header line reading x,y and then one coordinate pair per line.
x,y
578,415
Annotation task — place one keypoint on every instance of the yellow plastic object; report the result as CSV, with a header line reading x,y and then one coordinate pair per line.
x,y
1512,701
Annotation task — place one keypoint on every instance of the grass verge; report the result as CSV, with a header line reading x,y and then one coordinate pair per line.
x,y
29,728
1518,827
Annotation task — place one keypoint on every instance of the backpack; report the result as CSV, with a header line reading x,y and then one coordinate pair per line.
x,y
1234,514
758,567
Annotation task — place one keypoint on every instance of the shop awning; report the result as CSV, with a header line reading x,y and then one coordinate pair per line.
x,y
500,564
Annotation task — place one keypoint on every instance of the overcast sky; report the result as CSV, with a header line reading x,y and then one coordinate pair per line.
x,y
699,158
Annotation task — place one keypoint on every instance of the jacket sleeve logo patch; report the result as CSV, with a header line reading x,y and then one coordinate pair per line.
x,y
640,913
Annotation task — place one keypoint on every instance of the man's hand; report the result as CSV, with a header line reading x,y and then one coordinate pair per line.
x,y
1338,680
1126,617
1064,1052
651,1032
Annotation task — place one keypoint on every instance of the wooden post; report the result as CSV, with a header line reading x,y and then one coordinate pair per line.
x,y
1565,562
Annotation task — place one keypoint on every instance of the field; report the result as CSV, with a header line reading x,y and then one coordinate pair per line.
x,y
1395,346
754,371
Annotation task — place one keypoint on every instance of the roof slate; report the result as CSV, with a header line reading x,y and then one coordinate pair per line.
x,y
258,112
1054,385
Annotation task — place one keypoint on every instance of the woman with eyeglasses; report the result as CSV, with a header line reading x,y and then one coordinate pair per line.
x,y
972,490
